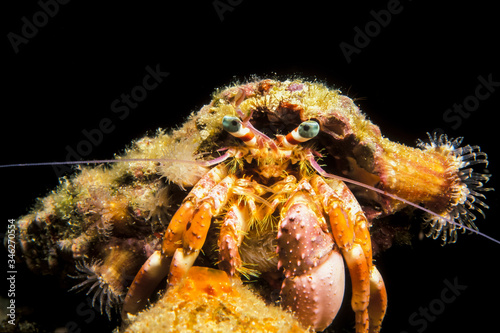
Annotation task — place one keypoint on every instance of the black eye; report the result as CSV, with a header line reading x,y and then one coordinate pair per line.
x,y
308,129
231,124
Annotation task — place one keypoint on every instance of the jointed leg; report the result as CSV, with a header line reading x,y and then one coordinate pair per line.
x,y
351,233
196,230
173,236
145,282
175,231
378,300
157,266
241,215
355,260
182,261
231,235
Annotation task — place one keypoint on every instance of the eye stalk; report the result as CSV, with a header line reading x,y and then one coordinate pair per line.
x,y
234,127
304,132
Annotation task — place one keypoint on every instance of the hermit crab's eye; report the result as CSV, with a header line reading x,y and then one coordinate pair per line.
x,y
231,124
308,129
304,132
234,127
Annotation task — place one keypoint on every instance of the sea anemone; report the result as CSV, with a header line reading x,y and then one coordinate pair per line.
x,y
106,292
465,187
108,279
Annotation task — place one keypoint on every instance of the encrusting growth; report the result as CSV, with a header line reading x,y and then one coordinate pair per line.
x,y
207,301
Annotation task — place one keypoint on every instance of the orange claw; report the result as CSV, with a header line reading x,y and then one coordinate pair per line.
x,y
211,192
177,226
193,239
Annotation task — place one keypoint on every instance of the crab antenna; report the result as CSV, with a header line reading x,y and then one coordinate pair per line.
x,y
325,174
230,153
246,122
163,160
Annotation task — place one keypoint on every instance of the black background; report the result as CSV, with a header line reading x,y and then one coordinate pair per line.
x,y
64,79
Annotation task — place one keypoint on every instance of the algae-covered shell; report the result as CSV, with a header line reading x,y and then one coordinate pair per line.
x,y
132,202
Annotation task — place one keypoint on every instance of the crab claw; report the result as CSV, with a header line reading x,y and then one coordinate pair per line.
x,y
314,282
316,297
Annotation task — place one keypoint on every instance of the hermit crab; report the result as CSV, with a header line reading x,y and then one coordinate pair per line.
x,y
317,221
281,180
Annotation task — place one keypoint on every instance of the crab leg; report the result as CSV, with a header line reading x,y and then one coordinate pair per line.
x,y
196,229
378,300
350,230
145,282
231,235
360,280
182,261
378,295
281,191
175,231
156,267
